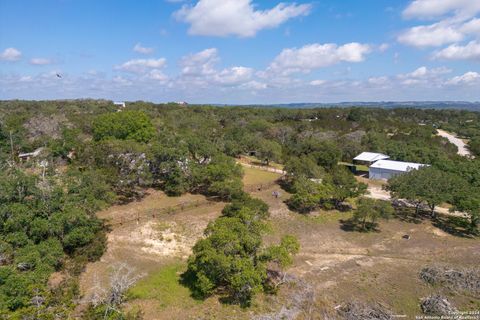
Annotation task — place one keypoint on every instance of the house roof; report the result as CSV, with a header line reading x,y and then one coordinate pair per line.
x,y
370,156
397,165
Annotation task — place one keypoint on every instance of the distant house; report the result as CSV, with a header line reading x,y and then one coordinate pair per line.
x,y
368,158
386,169
119,103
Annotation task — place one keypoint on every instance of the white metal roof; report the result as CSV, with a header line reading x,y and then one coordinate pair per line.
x,y
396,165
371,156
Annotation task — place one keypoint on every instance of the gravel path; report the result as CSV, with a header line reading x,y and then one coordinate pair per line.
x,y
462,147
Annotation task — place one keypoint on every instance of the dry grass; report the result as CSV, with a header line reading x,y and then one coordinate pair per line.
x,y
258,177
378,267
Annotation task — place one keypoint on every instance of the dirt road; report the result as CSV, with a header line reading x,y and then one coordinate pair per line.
x,y
264,168
380,194
462,147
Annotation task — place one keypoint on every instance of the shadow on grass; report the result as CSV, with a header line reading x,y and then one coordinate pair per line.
x,y
456,226
352,225
407,214
188,280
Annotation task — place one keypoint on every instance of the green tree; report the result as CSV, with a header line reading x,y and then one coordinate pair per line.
x,y
345,186
467,200
309,195
303,166
230,258
125,125
426,185
370,210
269,150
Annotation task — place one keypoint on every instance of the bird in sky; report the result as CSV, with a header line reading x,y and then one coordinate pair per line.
x,y
59,76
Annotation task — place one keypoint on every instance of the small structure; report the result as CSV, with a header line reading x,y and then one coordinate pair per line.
x,y
28,155
121,104
386,169
368,158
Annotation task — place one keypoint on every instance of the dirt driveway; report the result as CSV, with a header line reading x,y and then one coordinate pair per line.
x,y
462,147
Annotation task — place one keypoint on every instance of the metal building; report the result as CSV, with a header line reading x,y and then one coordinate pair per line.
x,y
386,169
368,158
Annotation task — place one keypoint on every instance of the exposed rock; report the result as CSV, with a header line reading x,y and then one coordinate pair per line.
x,y
437,305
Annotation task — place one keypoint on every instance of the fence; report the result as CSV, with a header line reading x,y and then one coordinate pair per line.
x,y
154,213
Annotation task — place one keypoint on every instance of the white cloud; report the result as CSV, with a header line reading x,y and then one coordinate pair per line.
x,y
200,63
435,8
316,55
234,75
254,85
144,50
471,27
157,75
200,68
436,34
236,17
142,65
40,61
378,81
317,82
471,51
455,21
467,78
383,47
424,75
10,54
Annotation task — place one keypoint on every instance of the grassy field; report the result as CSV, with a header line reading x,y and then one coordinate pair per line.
x,y
164,287
337,264
257,177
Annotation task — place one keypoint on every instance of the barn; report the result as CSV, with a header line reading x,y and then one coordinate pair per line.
x,y
386,169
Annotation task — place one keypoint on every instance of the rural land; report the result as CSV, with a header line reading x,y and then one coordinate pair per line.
x,y
169,211
240,160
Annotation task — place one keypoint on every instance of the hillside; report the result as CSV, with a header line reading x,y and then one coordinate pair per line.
x,y
157,211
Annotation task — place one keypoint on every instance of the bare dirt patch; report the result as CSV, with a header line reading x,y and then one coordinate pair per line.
x,y
151,242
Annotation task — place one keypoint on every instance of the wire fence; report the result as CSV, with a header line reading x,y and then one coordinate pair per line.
x,y
263,168
155,213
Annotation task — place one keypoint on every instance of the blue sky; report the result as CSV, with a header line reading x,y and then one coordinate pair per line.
x,y
240,51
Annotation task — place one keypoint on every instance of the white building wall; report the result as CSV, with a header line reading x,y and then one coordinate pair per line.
x,y
382,174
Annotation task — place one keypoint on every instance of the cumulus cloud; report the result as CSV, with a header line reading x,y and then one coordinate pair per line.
x,y
143,50
436,34
40,61
314,56
317,82
201,63
435,8
10,54
141,65
254,85
456,22
234,75
157,75
200,68
471,51
467,78
236,17
378,81
423,75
